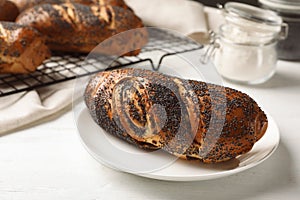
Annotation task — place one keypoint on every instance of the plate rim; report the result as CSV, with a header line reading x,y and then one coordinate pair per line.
x,y
181,178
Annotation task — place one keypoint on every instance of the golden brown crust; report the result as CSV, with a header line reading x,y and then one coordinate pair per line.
x,y
8,11
25,4
22,49
198,121
80,28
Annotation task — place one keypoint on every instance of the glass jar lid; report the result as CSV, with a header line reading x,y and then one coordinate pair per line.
x,y
254,21
235,10
288,6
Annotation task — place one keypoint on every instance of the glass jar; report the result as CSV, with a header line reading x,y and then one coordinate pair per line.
x,y
247,43
289,10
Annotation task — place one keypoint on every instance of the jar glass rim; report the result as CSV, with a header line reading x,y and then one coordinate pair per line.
x,y
270,39
283,5
272,42
252,13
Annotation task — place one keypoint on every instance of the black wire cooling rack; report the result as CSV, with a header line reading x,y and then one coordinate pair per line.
x,y
63,67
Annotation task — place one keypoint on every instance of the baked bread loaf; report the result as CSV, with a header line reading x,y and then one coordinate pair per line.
x,y
25,4
189,119
22,49
8,11
79,28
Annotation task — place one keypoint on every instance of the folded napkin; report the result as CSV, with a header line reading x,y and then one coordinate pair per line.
x,y
24,108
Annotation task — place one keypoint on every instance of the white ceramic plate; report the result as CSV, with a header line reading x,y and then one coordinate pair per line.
x,y
117,154
120,155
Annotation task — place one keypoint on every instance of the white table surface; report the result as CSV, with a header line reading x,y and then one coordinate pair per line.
x,y
48,161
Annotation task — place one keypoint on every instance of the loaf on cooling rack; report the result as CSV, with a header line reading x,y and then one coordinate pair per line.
x,y
73,27
25,4
22,49
189,119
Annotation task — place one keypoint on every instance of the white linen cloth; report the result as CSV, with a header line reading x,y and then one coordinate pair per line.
x,y
25,108
183,16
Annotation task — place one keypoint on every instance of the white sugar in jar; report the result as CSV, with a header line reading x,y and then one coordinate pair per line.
x,y
247,43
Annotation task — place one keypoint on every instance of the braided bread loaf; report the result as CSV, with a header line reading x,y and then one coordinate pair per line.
x,y
79,28
25,4
189,119
22,49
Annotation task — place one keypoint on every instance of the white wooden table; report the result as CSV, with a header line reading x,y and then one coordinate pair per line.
x,y
47,161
